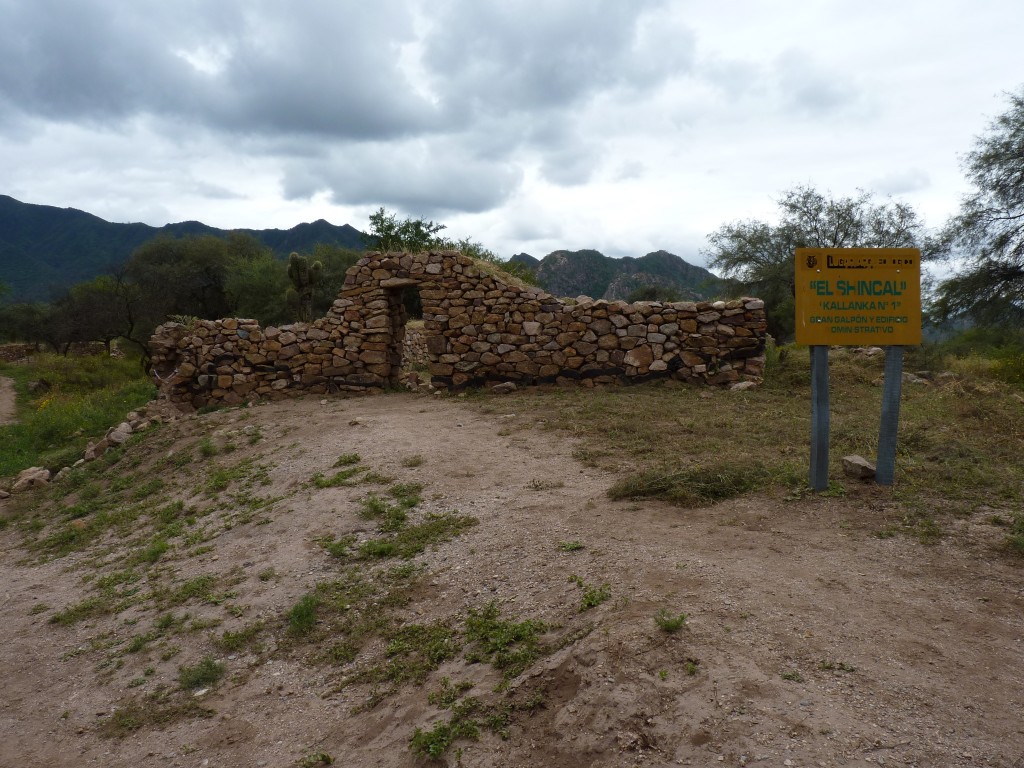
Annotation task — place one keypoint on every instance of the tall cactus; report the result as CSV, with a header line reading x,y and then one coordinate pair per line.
x,y
304,277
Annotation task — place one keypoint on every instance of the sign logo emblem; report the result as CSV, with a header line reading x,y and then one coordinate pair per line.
x,y
812,261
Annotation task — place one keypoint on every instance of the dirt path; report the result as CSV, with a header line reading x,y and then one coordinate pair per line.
x,y
811,642
7,409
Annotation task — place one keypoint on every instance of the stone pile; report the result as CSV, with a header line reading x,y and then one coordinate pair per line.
x,y
135,421
479,327
414,347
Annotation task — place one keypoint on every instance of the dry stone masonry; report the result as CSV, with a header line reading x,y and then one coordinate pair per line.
x,y
479,327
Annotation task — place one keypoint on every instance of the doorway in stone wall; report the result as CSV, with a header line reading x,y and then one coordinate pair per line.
x,y
403,305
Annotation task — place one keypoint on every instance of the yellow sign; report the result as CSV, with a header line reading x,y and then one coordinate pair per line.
x,y
858,296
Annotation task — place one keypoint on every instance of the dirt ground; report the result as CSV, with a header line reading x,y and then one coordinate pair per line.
x,y
7,409
810,641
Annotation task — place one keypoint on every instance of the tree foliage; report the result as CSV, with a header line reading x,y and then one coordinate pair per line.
x,y
987,235
758,256
389,233
304,276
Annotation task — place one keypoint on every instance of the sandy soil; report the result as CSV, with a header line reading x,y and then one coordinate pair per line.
x,y
7,410
814,643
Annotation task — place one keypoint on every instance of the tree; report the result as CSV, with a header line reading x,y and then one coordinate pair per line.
x,y
988,232
758,256
387,233
26,322
336,261
304,277
95,310
255,288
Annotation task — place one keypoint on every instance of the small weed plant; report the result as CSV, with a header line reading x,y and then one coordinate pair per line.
x,y
593,596
669,623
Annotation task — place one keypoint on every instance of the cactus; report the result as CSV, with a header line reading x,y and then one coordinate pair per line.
x,y
304,277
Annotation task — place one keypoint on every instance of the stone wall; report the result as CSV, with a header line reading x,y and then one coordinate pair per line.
x,y
414,347
478,326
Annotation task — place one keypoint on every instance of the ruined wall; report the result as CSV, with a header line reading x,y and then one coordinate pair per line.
x,y
478,327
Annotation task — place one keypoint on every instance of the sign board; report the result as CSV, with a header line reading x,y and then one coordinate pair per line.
x,y
858,296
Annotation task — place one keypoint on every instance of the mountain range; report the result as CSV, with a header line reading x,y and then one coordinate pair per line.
x,y
591,273
45,250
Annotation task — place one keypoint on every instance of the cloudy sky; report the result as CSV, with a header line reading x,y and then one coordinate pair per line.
x,y
530,125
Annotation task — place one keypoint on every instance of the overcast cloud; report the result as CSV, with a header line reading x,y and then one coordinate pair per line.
x,y
529,125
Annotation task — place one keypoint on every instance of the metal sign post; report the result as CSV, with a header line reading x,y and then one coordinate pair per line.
x,y
819,417
857,297
885,469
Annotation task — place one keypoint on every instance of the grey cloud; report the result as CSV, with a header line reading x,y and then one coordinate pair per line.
x,y
902,182
421,178
306,67
535,66
78,60
571,165
808,89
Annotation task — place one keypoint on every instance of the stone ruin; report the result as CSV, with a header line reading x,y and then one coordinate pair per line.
x,y
479,327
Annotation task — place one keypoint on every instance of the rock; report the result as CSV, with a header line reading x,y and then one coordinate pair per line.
x,y
504,388
910,378
741,386
33,477
4,494
94,451
640,357
858,467
119,434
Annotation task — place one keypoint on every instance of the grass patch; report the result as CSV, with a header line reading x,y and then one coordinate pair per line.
x,y
339,479
411,540
413,652
592,596
246,473
246,637
699,486
86,396
157,710
90,608
302,616
469,716
205,673
507,645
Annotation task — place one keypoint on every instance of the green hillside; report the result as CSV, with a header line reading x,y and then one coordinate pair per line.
x,y
44,249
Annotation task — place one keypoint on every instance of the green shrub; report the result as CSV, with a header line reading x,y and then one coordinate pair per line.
x,y
302,616
206,672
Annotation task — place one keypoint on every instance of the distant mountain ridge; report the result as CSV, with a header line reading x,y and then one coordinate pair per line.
x,y
591,273
44,249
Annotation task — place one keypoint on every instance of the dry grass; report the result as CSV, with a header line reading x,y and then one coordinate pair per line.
x,y
959,439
